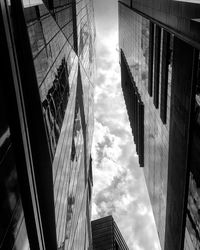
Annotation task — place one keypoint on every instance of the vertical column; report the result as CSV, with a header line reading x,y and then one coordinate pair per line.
x,y
178,143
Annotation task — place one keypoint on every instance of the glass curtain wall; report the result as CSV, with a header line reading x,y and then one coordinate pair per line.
x,y
61,35
144,46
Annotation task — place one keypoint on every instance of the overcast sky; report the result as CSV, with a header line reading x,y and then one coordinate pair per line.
x,y
119,186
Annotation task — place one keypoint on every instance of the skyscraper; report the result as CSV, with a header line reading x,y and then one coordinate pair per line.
x,y
106,235
160,42
46,124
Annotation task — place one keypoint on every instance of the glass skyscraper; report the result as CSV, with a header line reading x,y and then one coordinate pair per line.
x,y
159,46
46,124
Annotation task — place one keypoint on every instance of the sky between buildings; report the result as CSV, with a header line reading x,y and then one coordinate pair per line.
x,y
119,186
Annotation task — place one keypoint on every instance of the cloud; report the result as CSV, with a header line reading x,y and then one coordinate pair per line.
x,y
105,64
106,15
119,188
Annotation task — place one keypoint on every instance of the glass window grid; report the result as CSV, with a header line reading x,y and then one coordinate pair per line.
x,y
49,49
65,214
64,145
78,216
156,133
70,189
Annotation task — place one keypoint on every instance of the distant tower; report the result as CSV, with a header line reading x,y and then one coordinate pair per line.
x,y
106,235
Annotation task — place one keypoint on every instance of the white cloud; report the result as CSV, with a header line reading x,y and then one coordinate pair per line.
x,y
119,188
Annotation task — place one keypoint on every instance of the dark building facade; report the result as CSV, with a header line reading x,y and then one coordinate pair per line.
x,y
106,235
46,124
159,46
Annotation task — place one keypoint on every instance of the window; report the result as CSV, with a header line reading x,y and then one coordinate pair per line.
x,y
150,62
167,55
156,66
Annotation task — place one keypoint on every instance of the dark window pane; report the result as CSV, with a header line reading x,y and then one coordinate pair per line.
x,y
157,66
150,63
164,76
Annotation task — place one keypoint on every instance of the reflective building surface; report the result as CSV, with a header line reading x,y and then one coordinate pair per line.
x,y
46,125
159,56
106,235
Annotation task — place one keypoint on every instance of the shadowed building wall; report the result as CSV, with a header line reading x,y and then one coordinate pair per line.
x,y
159,42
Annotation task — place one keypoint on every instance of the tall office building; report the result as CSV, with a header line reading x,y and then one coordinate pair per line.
x,y
106,235
46,124
160,67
